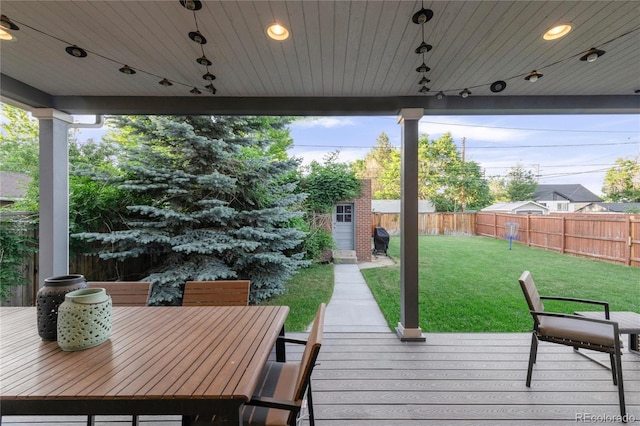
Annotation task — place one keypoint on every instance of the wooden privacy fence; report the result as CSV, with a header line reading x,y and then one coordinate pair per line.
x,y
430,223
610,237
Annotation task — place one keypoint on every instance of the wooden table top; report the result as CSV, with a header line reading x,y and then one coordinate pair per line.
x,y
628,322
159,360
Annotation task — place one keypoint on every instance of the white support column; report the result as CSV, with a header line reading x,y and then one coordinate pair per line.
x,y
54,193
408,328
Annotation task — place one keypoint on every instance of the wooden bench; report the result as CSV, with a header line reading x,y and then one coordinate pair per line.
x,y
216,293
125,293
279,396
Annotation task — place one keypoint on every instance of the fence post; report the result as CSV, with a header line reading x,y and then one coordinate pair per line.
x,y
629,238
563,242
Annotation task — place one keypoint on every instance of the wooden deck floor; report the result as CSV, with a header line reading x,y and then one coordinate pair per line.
x,y
373,379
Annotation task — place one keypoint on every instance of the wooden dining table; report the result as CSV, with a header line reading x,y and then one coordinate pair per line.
x,y
191,361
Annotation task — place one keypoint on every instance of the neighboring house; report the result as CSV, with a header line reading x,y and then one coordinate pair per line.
x,y
13,187
564,198
393,206
610,208
517,207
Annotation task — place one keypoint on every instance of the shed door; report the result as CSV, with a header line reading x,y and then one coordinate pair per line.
x,y
343,229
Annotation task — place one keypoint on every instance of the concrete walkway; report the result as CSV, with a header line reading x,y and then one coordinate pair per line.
x,y
352,307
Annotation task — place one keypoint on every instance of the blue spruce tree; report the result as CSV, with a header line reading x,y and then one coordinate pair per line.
x,y
217,205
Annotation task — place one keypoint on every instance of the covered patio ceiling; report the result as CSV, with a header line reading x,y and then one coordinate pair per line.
x,y
341,58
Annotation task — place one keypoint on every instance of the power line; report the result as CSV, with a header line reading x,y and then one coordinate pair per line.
x,y
474,147
584,145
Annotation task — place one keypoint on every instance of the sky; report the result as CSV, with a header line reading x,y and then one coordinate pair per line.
x,y
559,149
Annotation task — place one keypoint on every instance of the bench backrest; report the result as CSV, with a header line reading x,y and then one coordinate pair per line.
x,y
310,354
125,293
216,293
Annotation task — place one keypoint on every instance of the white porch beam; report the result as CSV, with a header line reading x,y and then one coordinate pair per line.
x,y
54,193
408,328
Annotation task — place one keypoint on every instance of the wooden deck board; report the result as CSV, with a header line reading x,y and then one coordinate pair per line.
x,y
456,379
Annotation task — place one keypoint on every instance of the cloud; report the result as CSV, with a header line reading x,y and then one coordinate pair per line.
x,y
325,122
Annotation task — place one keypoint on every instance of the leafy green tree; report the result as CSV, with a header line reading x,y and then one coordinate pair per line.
x,y
521,184
622,182
325,184
374,164
390,176
212,208
498,188
19,144
328,183
450,183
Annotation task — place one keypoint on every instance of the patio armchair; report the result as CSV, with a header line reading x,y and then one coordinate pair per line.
x,y
573,330
123,293
279,397
216,293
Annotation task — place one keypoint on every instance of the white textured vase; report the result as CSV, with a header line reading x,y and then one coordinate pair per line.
x,y
84,319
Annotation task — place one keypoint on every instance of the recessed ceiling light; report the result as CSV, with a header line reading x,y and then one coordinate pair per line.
x,y
557,31
498,86
76,51
277,32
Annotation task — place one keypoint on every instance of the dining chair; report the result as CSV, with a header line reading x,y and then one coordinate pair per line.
x,y
282,387
216,293
123,293
573,330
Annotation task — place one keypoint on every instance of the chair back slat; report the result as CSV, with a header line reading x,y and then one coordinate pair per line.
x,y
125,293
531,292
216,293
310,354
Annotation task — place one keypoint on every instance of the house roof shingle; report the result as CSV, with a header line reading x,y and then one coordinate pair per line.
x,y
13,185
574,193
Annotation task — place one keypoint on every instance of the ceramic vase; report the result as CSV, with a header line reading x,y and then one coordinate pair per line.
x,y
50,297
84,319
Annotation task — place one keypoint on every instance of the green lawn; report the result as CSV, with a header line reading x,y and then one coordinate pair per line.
x,y
470,284
305,291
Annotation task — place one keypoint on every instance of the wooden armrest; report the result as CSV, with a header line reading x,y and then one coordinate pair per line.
x,y
573,299
265,401
577,317
289,340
